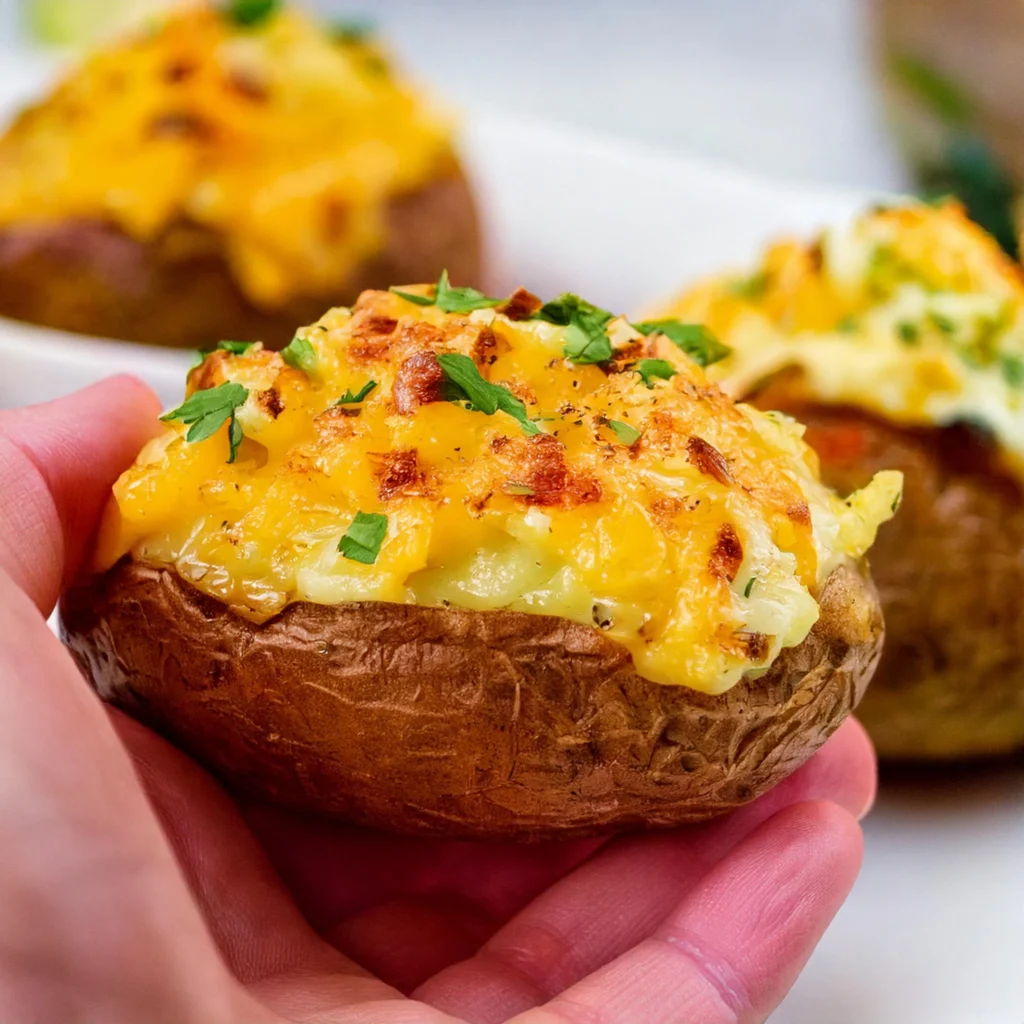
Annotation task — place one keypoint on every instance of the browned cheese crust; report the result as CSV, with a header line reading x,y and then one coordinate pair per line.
x,y
477,724
950,572
90,277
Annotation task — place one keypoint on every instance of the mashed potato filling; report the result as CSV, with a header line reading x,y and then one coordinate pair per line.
x,y
496,458
285,137
913,313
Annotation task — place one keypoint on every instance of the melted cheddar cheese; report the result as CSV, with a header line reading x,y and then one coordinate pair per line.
x,y
287,142
913,313
693,530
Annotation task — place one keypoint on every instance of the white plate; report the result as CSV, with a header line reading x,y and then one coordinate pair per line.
x,y
934,932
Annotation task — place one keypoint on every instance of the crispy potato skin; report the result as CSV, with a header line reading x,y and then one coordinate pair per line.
x,y
950,571
90,277
442,721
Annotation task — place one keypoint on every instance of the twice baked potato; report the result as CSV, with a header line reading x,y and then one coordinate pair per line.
x,y
899,341
229,171
457,565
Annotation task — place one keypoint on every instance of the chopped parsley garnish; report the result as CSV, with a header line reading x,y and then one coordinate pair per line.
x,y
299,354
752,287
847,325
655,369
207,411
352,30
624,432
248,13
693,339
349,399
750,586
587,338
236,348
1013,370
362,540
942,322
449,299
464,384
908,333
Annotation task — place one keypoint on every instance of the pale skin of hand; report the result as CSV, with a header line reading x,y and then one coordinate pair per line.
x,y
134,889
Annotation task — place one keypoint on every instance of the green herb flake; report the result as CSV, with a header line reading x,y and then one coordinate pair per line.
x,y
249,13
940,94
464,384
352,399
362,540
418,300
236,348
449,299
208,410
352,31
299,354
655,369
908,333
586,326
520,490
750,586
624,432
693,339
847,325
1013,370
942,322
751,288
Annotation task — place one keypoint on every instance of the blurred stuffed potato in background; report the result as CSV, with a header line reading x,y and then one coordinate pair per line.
x,y
228,170
899,341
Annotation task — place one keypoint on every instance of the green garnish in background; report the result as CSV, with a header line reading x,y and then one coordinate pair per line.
x,y
208,410
249,13
968,168
362,540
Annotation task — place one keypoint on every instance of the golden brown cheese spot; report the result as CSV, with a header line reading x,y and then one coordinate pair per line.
x,y
419,381
800,513
486,348
752,646
542,474
397,472
520,305
367,327
708,459
270,402
727,554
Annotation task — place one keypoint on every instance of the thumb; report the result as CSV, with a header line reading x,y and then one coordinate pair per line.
x,y
58,461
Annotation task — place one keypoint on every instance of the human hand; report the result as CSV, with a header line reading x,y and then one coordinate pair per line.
x,y
189,908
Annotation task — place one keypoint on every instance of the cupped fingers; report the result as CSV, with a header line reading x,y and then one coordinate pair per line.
x,y
618,897
732,948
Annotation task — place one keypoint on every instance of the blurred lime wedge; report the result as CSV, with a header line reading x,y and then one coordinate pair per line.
x,y
75,22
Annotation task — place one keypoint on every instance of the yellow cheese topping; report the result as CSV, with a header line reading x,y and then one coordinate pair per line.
x,y
285,139
692,530
913,313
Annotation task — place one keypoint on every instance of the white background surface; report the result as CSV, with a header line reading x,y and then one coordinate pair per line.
x,y
934,932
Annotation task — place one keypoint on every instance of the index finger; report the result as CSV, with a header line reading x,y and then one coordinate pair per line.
x,y
58,461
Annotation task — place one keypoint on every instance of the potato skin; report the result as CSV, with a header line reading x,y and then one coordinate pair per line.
x,y
89,277
949,570
444,721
